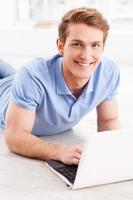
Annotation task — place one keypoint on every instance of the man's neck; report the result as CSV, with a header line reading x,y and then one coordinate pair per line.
x,y
76,85
77,89
77,92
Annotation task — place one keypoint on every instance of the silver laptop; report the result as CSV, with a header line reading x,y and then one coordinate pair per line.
x,y
107,157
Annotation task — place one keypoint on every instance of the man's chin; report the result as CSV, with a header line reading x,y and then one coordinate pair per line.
x,y
84,76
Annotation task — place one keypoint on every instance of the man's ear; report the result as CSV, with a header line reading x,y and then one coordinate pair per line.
x,y
60,46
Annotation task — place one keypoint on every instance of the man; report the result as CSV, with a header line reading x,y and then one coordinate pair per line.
x,y
49,96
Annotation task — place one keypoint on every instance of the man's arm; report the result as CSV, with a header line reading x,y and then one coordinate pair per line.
x,y
19,123
107,116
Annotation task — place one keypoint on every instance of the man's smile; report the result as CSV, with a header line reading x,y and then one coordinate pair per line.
x,y
84,64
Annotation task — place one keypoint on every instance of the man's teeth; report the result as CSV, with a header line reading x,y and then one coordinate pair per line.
x,y
85,64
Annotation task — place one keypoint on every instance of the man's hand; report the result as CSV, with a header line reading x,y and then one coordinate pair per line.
x,y
71,154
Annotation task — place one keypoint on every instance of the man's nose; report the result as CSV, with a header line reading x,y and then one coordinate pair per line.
x,y
86,53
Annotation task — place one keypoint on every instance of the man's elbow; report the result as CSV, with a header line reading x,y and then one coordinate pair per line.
x,y
108,124
11,140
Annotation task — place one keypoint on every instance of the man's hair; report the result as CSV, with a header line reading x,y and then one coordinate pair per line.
x,y
89,16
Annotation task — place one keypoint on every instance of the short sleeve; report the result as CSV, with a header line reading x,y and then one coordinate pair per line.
x,y
26,90
115,82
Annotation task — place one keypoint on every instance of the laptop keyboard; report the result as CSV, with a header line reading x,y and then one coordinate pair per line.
x,y
68,171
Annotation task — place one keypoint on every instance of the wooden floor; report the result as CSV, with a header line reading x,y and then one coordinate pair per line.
x,y
29,179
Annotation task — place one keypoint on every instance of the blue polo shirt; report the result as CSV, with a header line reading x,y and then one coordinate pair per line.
x,y
39,86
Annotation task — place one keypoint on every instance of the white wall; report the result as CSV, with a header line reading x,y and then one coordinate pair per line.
x,y
28,42
120,46
42,42
7,13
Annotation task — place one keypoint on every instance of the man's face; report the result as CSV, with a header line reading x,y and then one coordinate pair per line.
x,y
82,51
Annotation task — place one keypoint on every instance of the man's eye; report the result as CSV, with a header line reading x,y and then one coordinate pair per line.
x,y
96,45
77,44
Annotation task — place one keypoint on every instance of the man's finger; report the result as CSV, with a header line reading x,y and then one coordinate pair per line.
x,y
75,161
79,148
77,156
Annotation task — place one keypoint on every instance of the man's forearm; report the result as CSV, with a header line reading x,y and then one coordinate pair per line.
x,y
112,124
32,146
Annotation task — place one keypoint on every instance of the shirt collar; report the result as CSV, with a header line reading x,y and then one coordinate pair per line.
x,y
61,86
88,88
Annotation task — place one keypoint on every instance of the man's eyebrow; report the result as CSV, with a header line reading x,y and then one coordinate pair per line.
x,y
97,42
77,40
